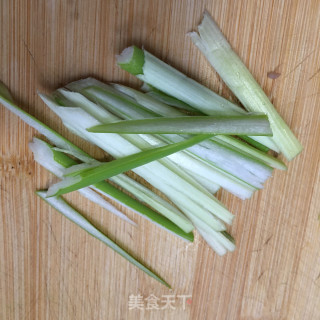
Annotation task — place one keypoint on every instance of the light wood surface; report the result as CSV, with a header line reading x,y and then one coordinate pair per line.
x,y
50,269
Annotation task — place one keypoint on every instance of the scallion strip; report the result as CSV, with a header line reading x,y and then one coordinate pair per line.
x,y
238,78
137,190
55,161
65,209
51,135
103,187
160,174
149,102
174,83
86,177
164,98
255,143
236,144
155,72
227,125
240,146
208,159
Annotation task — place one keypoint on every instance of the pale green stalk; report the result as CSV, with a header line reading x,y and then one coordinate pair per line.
x,y
238,78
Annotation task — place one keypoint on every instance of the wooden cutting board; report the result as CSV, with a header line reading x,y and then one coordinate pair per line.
x,y
51,269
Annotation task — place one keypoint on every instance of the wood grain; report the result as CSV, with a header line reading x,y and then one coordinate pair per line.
x,y
50,269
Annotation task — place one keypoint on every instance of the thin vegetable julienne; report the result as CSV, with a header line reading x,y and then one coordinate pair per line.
x,y
58,140
227,125
55,161
161,173
230,173
135,105
165,110
65,209
104,171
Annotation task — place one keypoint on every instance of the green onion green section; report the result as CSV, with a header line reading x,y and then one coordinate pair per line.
x,y
55,161
86,177
51,135
65,209
179,224
227,125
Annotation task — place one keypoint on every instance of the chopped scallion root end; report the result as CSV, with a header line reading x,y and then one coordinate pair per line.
x,y
132,60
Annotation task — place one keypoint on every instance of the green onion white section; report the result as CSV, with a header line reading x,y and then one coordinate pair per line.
x,y
164,98
165,110
103,187
65,209
148,102
178,183
54,137
263,142
230,142
160,174
128,110
201,169
138,191
240,146
171,220
217,240
232,170
174,83
44,155
232,163
116,105
147,196
226,62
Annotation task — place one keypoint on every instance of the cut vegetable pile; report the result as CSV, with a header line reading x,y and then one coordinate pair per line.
x,y
179,136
